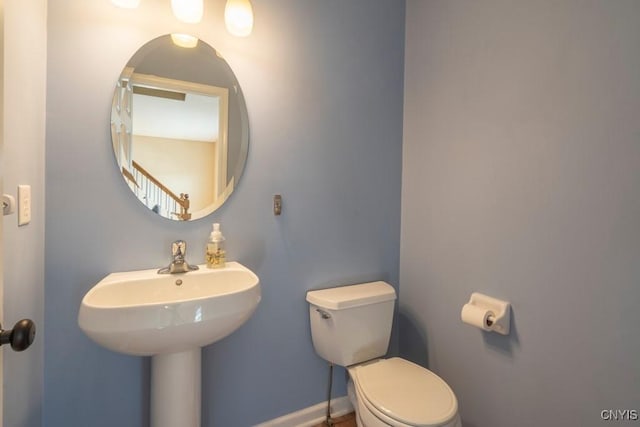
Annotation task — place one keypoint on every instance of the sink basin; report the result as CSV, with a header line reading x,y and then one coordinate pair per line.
x,y
145,313
170,317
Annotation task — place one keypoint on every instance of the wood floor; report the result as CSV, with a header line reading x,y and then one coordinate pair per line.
x,y
348,420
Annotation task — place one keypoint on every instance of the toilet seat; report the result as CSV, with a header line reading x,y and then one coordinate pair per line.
x,y
401,393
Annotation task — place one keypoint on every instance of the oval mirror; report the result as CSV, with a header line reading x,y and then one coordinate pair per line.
x,y
179,127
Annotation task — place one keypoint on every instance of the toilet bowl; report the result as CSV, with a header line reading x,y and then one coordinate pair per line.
x,y
396,392
351,327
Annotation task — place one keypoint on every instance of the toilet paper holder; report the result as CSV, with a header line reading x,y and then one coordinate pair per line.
x,y
498,312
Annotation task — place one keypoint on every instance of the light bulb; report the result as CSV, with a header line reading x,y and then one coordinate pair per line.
x,y
184,40
127,4
189,11
238,17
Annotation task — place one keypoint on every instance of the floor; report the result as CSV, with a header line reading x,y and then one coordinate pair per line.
x,y
348,420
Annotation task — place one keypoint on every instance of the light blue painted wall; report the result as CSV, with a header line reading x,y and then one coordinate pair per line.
x,y
25,45
521,177
323,81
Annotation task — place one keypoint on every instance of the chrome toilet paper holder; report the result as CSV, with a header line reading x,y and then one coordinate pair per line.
x,y
498,317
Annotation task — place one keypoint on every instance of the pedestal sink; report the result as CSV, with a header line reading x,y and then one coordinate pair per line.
x,y
170,318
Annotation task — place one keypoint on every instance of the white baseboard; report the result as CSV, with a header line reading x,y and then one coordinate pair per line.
x,y
311,416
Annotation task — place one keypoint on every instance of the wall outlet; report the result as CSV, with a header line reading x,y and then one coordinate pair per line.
x,y
24,204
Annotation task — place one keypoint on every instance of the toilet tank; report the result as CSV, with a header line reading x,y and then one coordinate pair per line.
x,y
351,324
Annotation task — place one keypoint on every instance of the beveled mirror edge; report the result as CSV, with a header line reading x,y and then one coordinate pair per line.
x,y
229,174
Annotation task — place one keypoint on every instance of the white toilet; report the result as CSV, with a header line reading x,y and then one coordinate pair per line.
x,y
351,327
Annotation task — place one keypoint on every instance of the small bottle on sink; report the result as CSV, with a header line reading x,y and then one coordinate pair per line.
x,y
216,255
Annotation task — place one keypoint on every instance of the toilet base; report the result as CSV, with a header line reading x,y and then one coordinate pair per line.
x,y
351,392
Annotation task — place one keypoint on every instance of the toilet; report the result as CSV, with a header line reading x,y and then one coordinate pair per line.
x,y
351,327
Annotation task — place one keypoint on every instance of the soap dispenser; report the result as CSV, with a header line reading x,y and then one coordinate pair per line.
x,y
216,255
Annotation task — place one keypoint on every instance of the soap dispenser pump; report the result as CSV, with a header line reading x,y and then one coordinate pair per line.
x,y
216,255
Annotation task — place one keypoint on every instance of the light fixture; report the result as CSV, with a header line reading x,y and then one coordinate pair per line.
x,y
238,17
184,40
189,11
127,4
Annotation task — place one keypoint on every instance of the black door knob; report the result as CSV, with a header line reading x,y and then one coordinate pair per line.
x,y
21,336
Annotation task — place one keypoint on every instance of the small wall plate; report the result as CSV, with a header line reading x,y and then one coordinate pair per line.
x,y
277,204
8,204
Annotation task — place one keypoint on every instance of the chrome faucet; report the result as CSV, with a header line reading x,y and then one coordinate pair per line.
x,y
178,263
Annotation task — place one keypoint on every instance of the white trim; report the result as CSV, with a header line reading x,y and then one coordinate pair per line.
x,y
1,189
311,416
156,82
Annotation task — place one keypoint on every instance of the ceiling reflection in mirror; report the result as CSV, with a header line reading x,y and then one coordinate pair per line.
x,y
179,128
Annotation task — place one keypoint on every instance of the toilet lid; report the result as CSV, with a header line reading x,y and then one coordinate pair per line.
x,y
407,392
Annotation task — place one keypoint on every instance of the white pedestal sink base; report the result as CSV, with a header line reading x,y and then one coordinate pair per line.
x,y
144,313
176,389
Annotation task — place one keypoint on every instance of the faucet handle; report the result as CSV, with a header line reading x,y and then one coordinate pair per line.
x,y
179,248
178,262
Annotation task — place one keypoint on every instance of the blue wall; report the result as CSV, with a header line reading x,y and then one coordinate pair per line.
x,y
323,81
521,179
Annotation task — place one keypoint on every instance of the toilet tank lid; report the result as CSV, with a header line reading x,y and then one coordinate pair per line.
x,y
352,295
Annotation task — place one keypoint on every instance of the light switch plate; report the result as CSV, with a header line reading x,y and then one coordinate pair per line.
x,y
24,204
